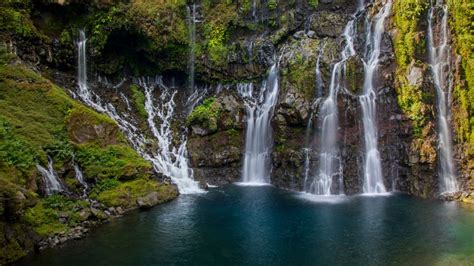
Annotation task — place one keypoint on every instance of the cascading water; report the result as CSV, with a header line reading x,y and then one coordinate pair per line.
x,y
439,58
373,178
258,137
329,158
169,160
50,179
80,178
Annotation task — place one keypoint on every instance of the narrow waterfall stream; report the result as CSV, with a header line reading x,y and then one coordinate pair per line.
x,y
329,159
439,61
50,178
168,160
258,137
373,178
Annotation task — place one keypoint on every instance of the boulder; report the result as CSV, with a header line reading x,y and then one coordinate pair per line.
x,y
148,201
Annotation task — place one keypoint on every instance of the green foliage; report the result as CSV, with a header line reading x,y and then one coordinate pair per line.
x,y
272,4
219,20
16,20
54,214
138,100
106,184
313,3
113,161
205,115
60,150
13,151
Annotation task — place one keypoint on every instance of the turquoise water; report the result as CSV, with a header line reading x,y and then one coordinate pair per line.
x,y
237,225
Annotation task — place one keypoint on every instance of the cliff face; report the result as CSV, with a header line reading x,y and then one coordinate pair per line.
x,y
223,45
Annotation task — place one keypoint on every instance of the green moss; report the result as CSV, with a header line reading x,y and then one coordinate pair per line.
x,y
300,72
126,194
205,115
461,12
219,21
54,214
112,161
407,16
139,100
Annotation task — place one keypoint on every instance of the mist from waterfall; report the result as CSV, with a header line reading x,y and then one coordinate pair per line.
x,y
50,178
258,138
439,61
168,160
373,177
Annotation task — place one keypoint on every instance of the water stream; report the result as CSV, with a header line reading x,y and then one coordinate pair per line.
x,y
439,59
258,137
168,159
373,177
329,158
50,178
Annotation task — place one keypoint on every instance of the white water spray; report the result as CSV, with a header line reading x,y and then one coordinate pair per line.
x,y
50,178
169,160
439,57
258,138
373,178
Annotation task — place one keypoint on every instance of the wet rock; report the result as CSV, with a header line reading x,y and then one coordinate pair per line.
x,y
148,201
120,211
355,74
328,24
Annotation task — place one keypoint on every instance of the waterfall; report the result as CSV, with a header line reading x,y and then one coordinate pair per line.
x,y
439,57
50,179
373,178
258,137
80,178
170,161
191,12
329,158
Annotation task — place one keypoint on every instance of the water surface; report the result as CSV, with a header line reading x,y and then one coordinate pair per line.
x,y
237,225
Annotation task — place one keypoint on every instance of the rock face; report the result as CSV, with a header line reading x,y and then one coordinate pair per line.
x,y
216,156
233,44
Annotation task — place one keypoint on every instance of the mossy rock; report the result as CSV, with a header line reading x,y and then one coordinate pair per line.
x,y
126,194
203,119
355,74
86,126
